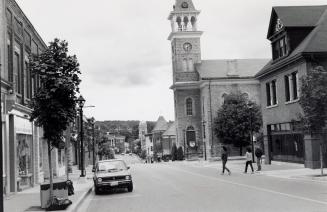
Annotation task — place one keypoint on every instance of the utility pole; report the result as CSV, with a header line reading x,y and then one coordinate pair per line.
x,y
1,150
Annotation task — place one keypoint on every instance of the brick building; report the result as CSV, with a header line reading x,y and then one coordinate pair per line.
x,y
298,39
200,85
24,149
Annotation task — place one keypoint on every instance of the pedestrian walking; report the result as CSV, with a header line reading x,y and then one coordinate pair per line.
x,y
248,156
224,158
258,153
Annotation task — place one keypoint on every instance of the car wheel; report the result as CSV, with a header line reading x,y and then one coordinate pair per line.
x,y
130,187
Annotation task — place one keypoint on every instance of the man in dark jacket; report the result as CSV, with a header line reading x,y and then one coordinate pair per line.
x,y
224,157
258,154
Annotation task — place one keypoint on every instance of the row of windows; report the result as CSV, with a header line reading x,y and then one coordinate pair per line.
x,y
19,73
291,89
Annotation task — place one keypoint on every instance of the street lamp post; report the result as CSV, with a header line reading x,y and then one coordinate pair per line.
x,y
81,102
93,140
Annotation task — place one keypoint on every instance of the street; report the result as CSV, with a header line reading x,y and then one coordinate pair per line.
x,y
181,186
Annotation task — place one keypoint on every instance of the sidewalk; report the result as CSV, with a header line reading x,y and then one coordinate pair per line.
x,y
29,200
275,169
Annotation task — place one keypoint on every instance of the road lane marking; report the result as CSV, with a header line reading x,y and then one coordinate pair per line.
x,y
120,197
251,187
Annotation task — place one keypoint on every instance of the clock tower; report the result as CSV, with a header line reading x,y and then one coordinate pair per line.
x,y
186,52
185,41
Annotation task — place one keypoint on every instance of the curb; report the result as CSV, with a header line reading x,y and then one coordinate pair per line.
x,y
75,206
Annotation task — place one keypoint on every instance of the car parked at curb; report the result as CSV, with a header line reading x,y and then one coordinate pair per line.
x,y
109,174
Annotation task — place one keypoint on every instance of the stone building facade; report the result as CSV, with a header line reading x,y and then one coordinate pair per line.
x,y
199,85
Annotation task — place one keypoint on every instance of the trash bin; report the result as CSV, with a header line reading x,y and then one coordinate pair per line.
x,y
60,190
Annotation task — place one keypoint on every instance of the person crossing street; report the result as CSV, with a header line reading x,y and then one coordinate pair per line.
x,y
248,156
224,158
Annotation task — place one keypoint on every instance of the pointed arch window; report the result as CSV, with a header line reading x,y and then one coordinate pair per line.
x,y
189,107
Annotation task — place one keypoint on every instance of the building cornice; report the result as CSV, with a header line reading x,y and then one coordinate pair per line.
x,y
185,85
281,64
185,34
190,12
12,4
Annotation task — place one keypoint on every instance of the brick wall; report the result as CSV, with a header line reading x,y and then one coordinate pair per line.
x,y
282,112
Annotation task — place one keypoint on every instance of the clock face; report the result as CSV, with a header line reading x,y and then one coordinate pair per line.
x,y
187,47
184,5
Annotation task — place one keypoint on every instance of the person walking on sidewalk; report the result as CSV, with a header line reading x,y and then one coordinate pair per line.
x,y
248,156
224,157
258,153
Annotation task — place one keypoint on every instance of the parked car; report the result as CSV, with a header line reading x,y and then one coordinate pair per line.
x,y
109,174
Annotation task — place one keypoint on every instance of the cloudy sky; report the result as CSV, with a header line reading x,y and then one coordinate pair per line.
x,y
123,50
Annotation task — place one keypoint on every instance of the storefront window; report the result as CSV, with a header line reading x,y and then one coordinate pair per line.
x,y
24,153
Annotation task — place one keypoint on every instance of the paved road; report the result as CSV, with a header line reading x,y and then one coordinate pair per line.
x,y
182,187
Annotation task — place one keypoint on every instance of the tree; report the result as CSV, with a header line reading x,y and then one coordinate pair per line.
x,y
180,153
105,151
174,152
313,101
54,105
237,118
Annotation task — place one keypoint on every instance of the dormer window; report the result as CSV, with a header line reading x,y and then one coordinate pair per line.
x,y
280,47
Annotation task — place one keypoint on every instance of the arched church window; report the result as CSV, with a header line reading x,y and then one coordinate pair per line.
x,y
184,64
189,107
185,23
191,137
190,65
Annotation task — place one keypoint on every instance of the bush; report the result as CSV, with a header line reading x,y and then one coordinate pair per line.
x,y
180,153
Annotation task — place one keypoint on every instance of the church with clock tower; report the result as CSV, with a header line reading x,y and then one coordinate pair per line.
x,y
199,85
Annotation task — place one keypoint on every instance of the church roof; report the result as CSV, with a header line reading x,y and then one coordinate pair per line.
x,y
171,131
292,16
230,68
315,41
161,125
